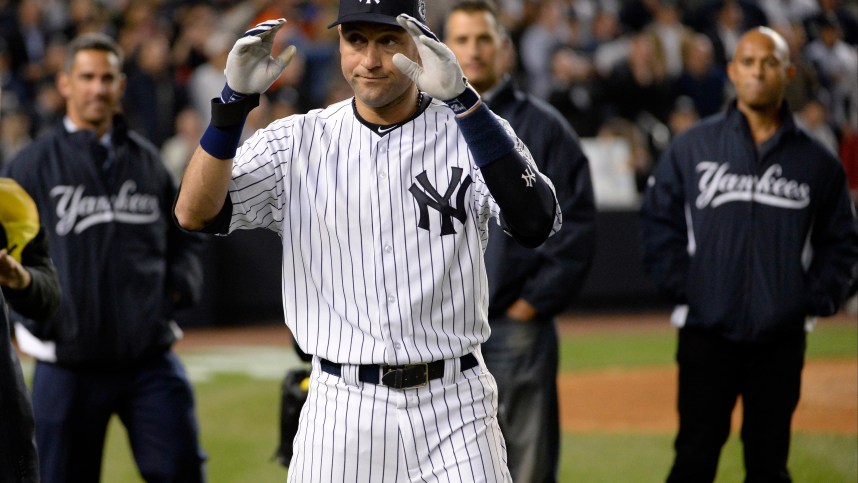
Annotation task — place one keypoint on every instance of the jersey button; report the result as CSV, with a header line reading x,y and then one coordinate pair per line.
x,y
382,174
388,249
391,299
397,346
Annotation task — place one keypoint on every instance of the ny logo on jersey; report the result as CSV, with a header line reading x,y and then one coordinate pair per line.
x,y
431,198
529,177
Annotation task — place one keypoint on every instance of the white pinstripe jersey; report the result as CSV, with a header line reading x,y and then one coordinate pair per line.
x,y
362,281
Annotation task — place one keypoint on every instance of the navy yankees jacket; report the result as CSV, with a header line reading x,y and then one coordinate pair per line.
x,y
752,241
124,265
549,276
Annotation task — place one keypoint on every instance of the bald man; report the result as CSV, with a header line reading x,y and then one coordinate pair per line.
x,y
747,225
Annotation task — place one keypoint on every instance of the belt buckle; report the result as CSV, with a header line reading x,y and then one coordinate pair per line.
x,y
405,376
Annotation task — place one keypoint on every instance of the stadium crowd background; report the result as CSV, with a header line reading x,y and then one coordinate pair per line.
x,y
638,70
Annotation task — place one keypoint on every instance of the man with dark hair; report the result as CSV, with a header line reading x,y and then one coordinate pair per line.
x,y
105,198
527,287
383,202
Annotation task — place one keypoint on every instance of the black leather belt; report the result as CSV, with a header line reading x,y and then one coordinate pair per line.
x,y
402,376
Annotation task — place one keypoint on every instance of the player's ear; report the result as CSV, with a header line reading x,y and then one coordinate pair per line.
x,y
62,83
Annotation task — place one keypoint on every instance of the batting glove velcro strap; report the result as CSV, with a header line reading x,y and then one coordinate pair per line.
x,y
233,113
250,67
222,136
466,102
440,74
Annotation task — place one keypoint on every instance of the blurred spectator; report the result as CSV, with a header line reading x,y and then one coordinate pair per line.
x,y
573,91
703,81
640,156
727,26
139,25
177,150
208,78
13,89
152,98
669,35
781,13
550,31
635,14
640,84
14,133
195,24
724,21
837,64
48,109
813,117
88,16
604,28
832,9
704,15
26,42
683,116
805,83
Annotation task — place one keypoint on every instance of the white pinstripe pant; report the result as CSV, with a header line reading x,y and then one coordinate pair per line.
x,y
366,433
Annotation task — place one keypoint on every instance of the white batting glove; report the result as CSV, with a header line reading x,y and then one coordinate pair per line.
x,y
250,68
440,76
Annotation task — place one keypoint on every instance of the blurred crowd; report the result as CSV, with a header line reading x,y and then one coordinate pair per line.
x,y
639,70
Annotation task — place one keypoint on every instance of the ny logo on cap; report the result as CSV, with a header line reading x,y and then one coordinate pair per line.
x,y
369,1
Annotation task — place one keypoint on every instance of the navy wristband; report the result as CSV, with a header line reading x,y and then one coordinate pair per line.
x,y
221,142
228,95
464,102
486,137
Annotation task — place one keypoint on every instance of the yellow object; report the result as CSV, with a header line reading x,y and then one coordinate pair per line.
x,y
305,384
19,217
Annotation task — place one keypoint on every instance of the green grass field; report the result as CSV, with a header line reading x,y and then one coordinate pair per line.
x,y
238,415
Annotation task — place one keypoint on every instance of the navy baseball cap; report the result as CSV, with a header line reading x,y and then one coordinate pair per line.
x,y
379,11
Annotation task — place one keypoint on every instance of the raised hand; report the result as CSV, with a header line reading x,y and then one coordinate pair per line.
x,y
250,67
440,76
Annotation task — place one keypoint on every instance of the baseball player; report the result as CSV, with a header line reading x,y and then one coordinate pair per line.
x,y
382,202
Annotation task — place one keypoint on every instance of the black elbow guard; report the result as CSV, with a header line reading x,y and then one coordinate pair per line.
x,y
527,202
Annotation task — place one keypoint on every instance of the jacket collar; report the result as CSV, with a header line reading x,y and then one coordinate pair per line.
x,y
502,93
118,134
786,128
787,123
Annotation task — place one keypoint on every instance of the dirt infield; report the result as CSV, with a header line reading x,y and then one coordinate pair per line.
x,y
643,399
615,400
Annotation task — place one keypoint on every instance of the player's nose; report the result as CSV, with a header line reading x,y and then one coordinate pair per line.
x,y
371,57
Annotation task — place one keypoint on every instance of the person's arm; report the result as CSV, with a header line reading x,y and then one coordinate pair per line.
x,y
250,71
32,287
834,240
663,229
525,197
203,191
565,258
